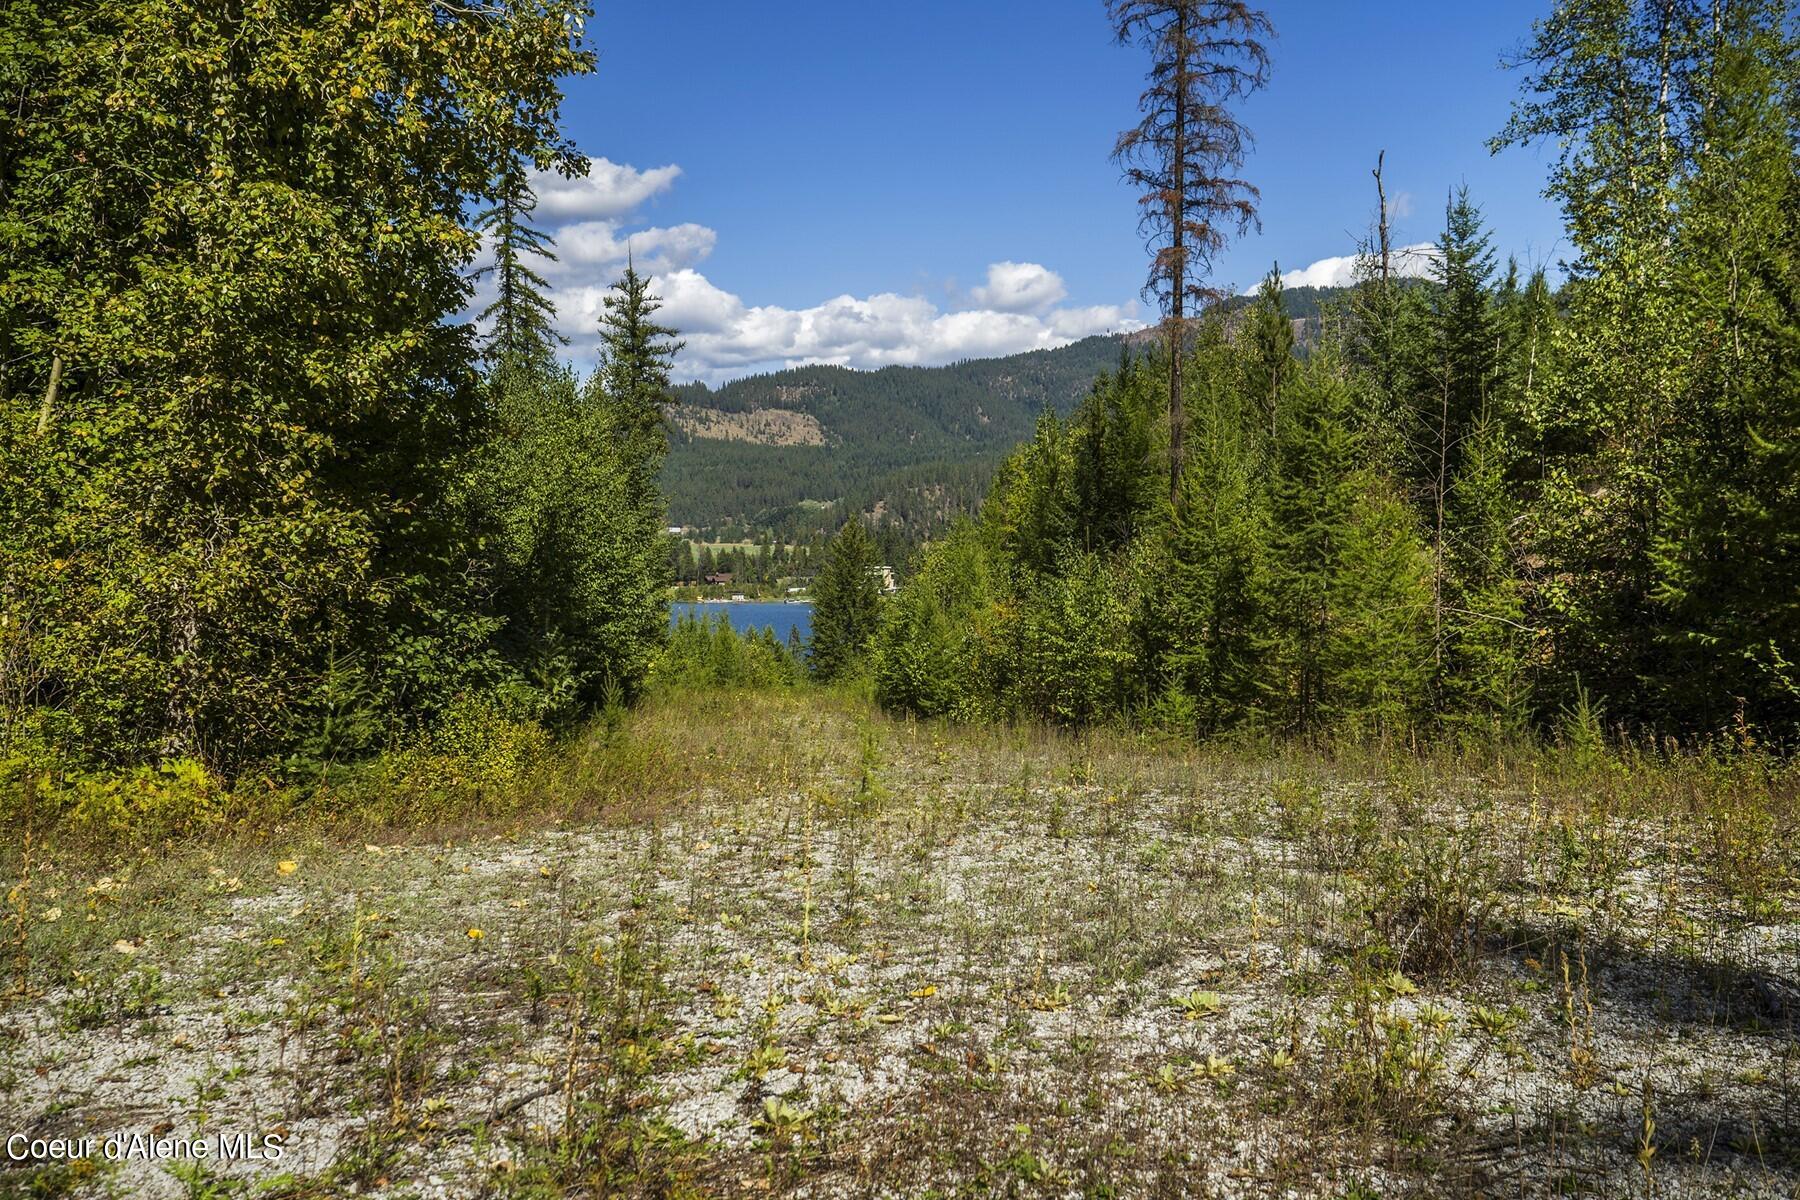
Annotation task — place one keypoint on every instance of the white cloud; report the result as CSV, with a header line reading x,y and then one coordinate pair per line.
x,y
1340,271
589,219
1019,287
727,337
588,246
608,190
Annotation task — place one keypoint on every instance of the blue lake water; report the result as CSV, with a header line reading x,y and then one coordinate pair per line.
x,y
746,615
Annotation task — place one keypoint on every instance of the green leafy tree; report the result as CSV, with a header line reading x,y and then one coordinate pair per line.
x,y
1620,90
846,604
1728,556
237,399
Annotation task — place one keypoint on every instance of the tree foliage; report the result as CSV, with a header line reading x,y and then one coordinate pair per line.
x,y
846,604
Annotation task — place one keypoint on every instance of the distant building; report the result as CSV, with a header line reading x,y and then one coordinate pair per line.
x,y
886,576
717,577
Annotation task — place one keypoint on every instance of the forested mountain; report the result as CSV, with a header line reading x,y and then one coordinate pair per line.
x,y
914,445
919,441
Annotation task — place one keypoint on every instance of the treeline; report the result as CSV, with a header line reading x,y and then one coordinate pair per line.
x,y
266,502
1479,505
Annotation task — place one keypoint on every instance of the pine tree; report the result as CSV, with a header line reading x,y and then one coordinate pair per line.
x,y
1485,646
1271,349
1117,482
1313,495
1216,561
846,604
1454,393
636,356
1030,513
521,317
1184,154
1375,652
1465,341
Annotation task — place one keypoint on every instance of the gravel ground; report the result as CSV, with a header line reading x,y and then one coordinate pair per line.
x,y
964,965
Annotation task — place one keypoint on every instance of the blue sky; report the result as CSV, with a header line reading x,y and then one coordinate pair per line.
x,y
831,182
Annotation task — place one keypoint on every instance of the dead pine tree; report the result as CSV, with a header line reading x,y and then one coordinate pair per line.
x,y
1184,155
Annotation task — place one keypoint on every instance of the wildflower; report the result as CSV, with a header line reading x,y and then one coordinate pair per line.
x,y
475,935
286,866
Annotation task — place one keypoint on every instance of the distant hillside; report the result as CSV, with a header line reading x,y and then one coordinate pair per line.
x,y
920,442
782,452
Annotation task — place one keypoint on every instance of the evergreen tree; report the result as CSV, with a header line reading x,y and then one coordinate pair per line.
x,y
1030,513
1375,645
1271,354
1117,482
1216,563
1484,646
846,604
1313,495
636,355
579,574
520,317
1466,344
1184,154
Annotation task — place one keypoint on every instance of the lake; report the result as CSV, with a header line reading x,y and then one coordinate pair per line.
x,y
746,615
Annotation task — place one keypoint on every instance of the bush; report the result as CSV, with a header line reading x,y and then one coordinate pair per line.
x,y
707,653
934,653
473,752
168,799
1430,896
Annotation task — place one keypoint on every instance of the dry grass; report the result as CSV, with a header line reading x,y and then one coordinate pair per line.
x,y
770,944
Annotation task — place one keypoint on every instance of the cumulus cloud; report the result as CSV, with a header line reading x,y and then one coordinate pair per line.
x,y
1019,307
727,337
589,246
1340,271
608,190
1019,288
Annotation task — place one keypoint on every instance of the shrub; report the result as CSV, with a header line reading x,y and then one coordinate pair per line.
x,y
708,654
1430,896
166,800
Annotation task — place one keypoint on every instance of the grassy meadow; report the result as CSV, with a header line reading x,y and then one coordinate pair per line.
x,y
777,943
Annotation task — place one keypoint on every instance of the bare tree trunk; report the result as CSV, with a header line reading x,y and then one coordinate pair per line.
x,y
50,393
1382,219
1177,418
